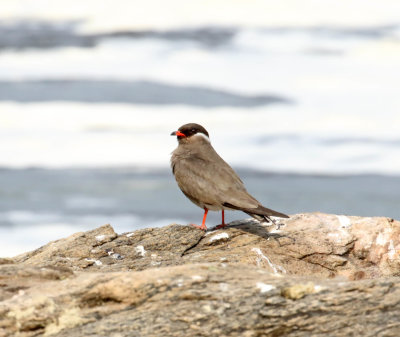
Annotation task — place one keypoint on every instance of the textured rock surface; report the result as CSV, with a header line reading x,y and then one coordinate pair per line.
x,y
318,275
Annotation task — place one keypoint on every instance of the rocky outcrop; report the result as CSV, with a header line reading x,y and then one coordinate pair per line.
x,y
318,275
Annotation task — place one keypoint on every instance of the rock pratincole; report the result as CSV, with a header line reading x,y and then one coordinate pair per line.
x,y
208,181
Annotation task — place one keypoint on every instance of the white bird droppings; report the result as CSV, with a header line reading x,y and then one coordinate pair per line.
x,y
197,278
264,287
220,236
140,250
19,294
344,221
224,287
100,237
391,250
116,256
335,235
96,262
381,239
129,234
276,269
341,233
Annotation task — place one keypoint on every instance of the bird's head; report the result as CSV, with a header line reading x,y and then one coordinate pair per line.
x,y
191,132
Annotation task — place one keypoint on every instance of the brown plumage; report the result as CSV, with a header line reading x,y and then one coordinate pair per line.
x,y
207,180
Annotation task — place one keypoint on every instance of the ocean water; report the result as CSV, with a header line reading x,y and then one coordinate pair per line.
x,y
304,103
39,205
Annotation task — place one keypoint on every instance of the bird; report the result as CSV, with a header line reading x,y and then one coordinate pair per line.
x,y
208,181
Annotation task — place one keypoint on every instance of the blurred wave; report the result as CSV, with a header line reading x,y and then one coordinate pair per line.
x,y
132,92
27,34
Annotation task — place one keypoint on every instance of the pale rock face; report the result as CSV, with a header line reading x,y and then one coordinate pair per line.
x,y
101,283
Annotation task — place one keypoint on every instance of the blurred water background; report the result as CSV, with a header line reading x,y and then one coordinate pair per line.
x,y
300,96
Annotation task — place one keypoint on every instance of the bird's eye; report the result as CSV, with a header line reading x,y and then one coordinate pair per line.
x,y
193,130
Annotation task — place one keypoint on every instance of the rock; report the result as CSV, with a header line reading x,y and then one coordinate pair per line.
x,y
5,261
314,244
73,251
203,300
318,275
15,278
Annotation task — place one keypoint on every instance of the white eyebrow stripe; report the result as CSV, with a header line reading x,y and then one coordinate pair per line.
x,y
201,134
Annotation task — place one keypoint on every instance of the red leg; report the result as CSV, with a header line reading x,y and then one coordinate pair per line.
x,y
203,224
223,221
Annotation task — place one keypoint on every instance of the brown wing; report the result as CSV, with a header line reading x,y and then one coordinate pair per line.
x,y
212,181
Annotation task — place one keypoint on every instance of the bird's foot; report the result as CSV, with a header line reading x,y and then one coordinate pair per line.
x,y
223,225
202,227
277,224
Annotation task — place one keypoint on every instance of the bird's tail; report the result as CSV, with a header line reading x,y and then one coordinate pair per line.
x,y
260,213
